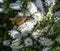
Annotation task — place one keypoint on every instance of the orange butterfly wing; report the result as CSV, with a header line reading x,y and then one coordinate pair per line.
x,y
20,20
13,19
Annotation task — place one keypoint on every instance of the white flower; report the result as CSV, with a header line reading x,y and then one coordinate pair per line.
x,y
57,19
45,42
16,6
57,14
28,42
1,1
31,7
36,33
14,34
48,2
37,16
46,49
1,9
39,4
6,42
27,26
58,39
15,43
20,14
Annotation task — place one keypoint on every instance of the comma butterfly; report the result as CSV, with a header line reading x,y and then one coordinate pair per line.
x,y
18,20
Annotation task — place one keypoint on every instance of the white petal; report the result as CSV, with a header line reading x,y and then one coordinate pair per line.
x,y
1,9
28,42
32,8
57,14
37,16
6,42
15,6
39,4
48,2
1,1
20,14
27,26
14,34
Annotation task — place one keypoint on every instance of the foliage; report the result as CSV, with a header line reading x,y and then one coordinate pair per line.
x,y
49,21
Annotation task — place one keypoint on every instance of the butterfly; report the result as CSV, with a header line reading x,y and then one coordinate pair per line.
x,y
18,21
